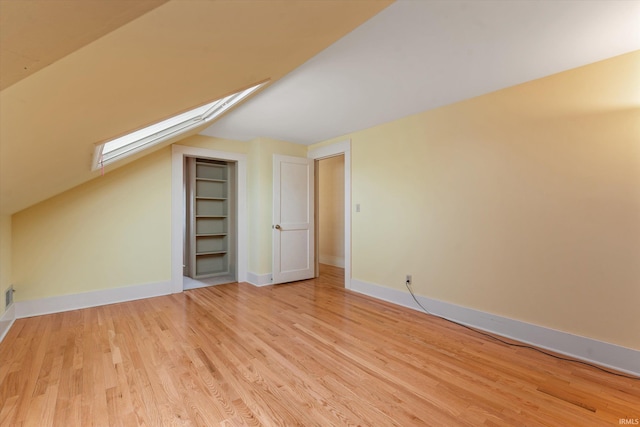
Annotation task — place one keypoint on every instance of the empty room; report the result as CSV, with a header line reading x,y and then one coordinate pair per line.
x,y
319,213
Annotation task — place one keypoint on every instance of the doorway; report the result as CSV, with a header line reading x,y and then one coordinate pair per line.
x,y
330,228
178,212
342,149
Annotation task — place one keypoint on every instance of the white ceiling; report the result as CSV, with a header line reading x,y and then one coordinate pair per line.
x,y
418,55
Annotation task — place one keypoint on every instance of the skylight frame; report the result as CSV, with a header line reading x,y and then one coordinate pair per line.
x,y
141,139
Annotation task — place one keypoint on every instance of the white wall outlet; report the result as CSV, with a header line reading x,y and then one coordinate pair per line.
x,y
408,280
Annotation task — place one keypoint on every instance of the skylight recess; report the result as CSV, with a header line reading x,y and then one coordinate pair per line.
x,y
141,139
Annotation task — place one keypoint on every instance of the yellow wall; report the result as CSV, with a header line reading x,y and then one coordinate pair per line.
x,y
5,258
259,187
331,210
524,202
115,231
110,232
218,144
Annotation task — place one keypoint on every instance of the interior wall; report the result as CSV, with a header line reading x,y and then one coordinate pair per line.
x,y
523,202
331,210
115,231
5,258
260,153
216,144
110,232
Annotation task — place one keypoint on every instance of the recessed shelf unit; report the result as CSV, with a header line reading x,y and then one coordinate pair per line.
x,y
209,230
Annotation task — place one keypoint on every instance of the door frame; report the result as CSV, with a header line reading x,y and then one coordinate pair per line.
x,y
332,150
178,214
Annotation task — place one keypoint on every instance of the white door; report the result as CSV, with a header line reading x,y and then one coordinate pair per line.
x,y
293,230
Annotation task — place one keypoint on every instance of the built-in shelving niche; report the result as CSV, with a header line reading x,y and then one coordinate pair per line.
x,y
210,232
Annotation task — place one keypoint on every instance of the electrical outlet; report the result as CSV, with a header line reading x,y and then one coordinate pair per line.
x,y
408,280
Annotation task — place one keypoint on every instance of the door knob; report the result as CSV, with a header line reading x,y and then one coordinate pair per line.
x,y
278,227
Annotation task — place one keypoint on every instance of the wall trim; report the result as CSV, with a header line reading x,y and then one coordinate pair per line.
x,y
6,320
259,279
82,300
587,349
336,261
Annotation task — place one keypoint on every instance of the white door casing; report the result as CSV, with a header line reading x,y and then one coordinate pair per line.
x,y
293,219
178,218
335,149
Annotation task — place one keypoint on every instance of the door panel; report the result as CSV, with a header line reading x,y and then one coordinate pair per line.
x,y
294,193
294,244
293,215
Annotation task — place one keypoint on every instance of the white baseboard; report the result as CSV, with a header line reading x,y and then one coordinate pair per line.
x,y
336,261
259,279
62,303
189,283
7,319
587,349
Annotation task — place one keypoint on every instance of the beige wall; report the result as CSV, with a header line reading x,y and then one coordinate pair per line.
x,y
259,187
524,202
115,231
218,144
111,232
5,258
331,210
260,153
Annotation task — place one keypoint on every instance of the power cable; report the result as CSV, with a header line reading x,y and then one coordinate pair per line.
x,y
516,345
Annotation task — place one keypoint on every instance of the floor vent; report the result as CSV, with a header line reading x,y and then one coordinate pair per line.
x,y
8,297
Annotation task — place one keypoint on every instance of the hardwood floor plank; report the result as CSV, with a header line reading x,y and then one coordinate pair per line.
x,y
308,353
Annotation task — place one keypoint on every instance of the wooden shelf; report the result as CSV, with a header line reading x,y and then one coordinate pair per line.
x,y
210,164
210,219
211,180
213,189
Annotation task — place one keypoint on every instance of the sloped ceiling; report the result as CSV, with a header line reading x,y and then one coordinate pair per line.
x,y
30,39
97,69
419,55
174,57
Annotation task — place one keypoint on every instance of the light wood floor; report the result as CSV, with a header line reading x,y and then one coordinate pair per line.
x,y
308,353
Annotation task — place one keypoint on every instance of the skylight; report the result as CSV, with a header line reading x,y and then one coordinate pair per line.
x,y
156,133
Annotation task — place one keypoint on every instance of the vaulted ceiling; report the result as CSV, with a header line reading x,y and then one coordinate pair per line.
x,y
110,67
419,55
76,73
34,34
